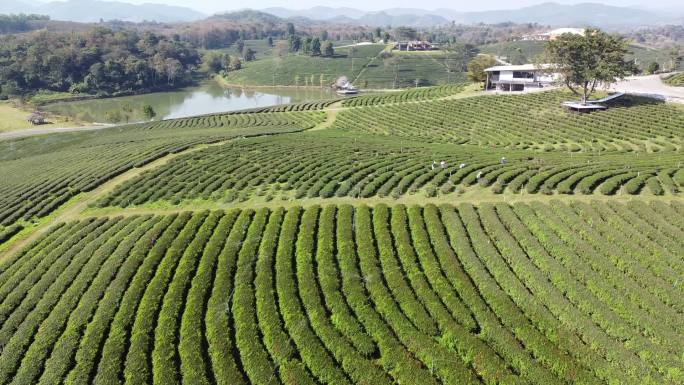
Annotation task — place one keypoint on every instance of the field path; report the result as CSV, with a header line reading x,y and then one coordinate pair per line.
x,y
16,134
73,209
330,115
79,206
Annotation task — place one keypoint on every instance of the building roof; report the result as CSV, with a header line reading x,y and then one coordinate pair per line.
x,y
523,67
560,31
514,81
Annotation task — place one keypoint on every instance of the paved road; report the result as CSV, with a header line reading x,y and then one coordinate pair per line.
x,y
652,86
49,130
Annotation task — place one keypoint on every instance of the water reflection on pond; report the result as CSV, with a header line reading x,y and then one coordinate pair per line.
x,y
205,99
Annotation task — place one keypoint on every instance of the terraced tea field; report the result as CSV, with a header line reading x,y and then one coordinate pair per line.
x,y
412,69
535,121
329,165
41,174
412,95
536,294
362,64
675,80
326,243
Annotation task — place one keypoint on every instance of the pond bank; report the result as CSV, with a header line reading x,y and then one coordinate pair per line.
x,y
208,98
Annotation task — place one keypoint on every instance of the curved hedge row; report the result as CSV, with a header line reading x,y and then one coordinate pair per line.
x,y
533,122
410,95
581,293
676,80
329,165
39,174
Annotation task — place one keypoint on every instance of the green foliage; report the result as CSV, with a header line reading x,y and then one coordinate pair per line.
x,y
415,94
514,52
19,23
100,61
477,66
8,232
239,46
214,62
328,49
148,111
652,68
52,172
316,47
362,62
438,295
533,121
329,165
588,61
676,80
249,54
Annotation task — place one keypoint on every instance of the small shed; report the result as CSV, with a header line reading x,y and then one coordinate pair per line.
x,y
36,118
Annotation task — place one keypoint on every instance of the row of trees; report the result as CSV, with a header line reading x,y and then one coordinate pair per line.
x,y
214,62
18,23
309,45
100,61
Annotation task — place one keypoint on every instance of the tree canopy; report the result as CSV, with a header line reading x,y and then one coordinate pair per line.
x,y
477,66
18,23
586,62
101,61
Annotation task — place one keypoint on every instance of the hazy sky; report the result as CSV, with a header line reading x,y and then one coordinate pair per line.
x,y
211,6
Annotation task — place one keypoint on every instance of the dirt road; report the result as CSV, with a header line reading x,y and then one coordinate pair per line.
x,y
49,130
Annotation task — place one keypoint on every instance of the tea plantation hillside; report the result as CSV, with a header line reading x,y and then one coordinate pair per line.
x,y
426,236
364,65
534,121
41,173
676,80
522,294
325,164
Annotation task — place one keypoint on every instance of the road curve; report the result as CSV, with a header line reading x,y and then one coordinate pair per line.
x,y
651,85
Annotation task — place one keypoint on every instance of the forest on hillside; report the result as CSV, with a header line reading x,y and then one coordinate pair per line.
x,y
101,61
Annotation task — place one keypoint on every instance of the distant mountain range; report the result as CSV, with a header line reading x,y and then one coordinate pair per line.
x,y
93,10
553,14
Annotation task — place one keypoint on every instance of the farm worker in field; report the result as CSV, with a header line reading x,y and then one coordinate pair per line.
x,y
479,175
462,166
503,160
442,164
433,165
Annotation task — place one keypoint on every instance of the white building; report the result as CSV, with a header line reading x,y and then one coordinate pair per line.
x,y
554,34
517,77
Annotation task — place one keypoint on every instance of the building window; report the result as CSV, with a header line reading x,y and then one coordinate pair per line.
x,y
523,75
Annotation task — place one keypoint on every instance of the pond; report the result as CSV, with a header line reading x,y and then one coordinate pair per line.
x,y
207,98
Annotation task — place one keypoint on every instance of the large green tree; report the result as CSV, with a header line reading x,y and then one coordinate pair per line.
x,y
328,49
586,62
316,47
477,66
